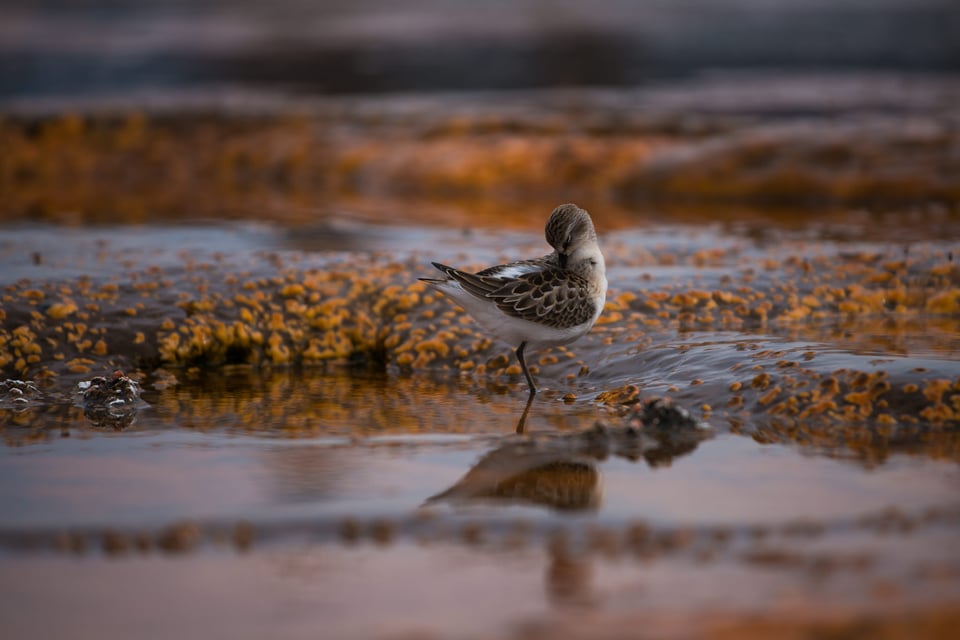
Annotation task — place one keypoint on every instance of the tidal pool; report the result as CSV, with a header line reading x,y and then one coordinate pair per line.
x,y
815,485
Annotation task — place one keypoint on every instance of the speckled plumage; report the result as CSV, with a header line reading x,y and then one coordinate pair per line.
x,y
547,295
545,301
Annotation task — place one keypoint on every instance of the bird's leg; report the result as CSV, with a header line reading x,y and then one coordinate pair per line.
x,y
533,387
523,365
523,416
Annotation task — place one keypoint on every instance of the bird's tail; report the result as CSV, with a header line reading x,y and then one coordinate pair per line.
x,y
441,267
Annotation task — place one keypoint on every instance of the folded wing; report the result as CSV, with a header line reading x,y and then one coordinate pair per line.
x,y
557,295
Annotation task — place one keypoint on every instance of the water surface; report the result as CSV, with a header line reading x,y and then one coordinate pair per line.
x,y
309,495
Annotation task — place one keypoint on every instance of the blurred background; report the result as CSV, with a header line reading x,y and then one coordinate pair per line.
x,y
488,113
95,47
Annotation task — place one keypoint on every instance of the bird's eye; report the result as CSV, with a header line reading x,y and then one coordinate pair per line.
x,y
593,262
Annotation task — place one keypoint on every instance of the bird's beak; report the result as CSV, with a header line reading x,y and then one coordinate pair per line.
x,y
562,257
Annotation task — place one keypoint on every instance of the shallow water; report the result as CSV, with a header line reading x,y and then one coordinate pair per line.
x,y
296,526
306,496
377,459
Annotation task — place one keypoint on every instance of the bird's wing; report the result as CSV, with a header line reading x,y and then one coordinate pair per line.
x,y
548,296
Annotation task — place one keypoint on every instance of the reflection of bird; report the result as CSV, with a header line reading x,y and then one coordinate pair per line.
x,y
559,470
543,302
517,473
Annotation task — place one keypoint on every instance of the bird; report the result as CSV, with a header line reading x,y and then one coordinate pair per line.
x,y
542,302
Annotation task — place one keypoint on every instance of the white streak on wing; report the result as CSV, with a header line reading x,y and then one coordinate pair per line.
x,y
514,270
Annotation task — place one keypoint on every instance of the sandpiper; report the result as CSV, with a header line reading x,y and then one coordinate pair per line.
x,y
542,302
